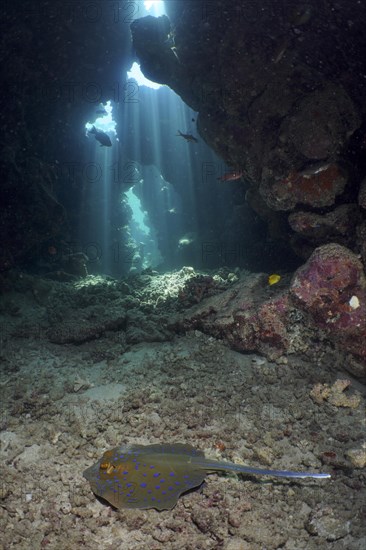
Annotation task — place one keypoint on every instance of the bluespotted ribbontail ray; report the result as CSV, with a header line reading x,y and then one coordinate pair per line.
x,y
154,476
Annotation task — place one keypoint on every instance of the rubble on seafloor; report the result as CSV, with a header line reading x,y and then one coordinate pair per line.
x,y
324,300
335,394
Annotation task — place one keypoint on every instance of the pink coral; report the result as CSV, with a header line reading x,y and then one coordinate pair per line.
x,y
331,286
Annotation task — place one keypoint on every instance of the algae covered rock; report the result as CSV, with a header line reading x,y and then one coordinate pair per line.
x,y
331,287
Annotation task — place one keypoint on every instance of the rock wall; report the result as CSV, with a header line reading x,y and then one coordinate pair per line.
x,y
280,91
279,87
59,60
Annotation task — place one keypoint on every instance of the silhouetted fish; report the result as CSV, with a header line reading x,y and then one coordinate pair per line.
x,y
187,137
154,476
101,136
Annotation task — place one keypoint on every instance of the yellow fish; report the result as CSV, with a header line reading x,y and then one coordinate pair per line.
x,y
273,279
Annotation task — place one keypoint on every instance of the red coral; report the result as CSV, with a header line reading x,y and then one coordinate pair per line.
x,y
318,189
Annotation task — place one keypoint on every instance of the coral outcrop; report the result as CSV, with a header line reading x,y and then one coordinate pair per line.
x,y
331,286
326,299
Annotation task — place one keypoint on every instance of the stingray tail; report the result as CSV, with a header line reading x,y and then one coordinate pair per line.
x,y
231,467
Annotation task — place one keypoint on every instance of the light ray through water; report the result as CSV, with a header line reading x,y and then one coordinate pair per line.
x,y
149,161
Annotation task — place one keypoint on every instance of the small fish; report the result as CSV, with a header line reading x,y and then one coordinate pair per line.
x,y
231,176
154,476
187,137
184,241
273,279
101,136
101,112
175,52
314,169
281,49
52,250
